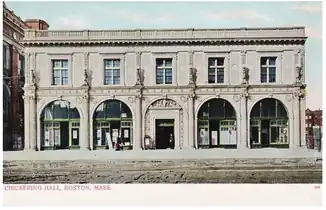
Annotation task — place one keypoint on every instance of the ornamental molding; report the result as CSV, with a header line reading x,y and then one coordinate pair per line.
x,y
165,103
56,43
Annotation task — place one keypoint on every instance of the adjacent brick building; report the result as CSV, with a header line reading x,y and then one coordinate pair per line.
x,y
313,118
13,77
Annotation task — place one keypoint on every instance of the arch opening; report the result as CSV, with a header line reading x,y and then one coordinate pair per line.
x,y
60,126
269,124
164,123
112,126
217,124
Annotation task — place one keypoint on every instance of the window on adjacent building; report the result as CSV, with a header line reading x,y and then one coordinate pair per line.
x,y
164,71
6,59
268,70
216,70
111,71
4,56
60,72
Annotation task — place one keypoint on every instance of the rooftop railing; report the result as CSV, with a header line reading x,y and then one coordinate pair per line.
x,y
165,34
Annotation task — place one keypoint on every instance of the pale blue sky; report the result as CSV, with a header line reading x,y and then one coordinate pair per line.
x,y
122,15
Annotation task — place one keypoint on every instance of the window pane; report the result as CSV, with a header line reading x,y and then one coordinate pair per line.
x,y
168,80
168,72
57,64
65,80
159,79
272,61
211,75
65,73
263,75
116,80
108,63
65,64
159,62
116,73
107,81
220,75
220,61
168,76
56,73
211,61
272,74
116,77
263,61
274,134
57,81
159,72
107,73
168,62
116,63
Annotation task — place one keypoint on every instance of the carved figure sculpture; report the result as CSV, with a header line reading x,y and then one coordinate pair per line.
x,y
140,77
298,74
245,75
86,78
33,77
193,76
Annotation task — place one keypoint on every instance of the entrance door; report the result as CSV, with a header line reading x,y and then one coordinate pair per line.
x,y
264,133
64,134
164,132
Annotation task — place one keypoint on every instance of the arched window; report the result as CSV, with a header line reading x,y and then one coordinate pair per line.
x,y
216,122
60,122
269,124
112,121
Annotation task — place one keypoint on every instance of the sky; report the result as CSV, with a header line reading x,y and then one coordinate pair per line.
x,y
137,15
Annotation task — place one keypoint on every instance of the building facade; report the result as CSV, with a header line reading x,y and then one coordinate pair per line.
x,y
158,89
14,77
13,80
313,118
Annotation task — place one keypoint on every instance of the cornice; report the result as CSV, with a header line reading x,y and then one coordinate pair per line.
x,y
230,41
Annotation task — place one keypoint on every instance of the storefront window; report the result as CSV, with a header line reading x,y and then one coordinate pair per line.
x,y
269,124
112,126
60,126
216,124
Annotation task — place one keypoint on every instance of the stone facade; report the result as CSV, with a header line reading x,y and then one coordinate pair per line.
x,y
189,50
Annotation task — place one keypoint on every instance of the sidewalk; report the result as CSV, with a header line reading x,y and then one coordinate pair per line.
x,y
268,153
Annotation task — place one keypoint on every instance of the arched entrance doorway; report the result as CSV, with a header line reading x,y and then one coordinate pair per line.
x,y
269,124
60,126
112,124
164,125
216,124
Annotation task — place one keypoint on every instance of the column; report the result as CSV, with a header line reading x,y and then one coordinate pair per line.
x,y
138,138
32,136
191,129
85,141
243,141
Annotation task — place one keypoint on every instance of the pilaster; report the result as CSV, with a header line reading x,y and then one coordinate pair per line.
x,y
138,138
33,123
85,140
26,123
191,120
243,143
297,134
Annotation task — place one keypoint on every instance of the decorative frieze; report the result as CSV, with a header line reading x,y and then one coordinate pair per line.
x,y
165,103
